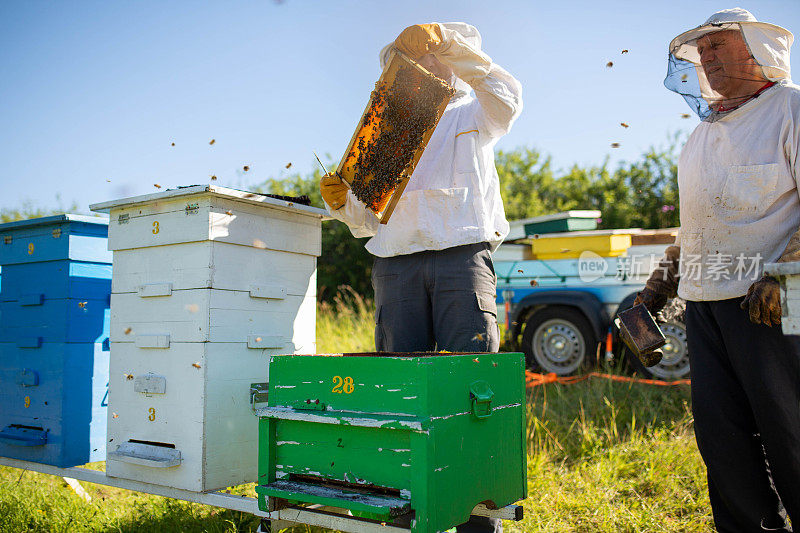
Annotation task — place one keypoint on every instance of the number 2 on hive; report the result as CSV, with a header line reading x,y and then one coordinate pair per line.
x,y
343,385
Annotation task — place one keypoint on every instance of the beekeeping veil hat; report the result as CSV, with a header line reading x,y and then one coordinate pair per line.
x,y
768,44
466,33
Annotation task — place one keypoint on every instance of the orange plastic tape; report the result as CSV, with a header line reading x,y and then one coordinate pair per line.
x,y
532,379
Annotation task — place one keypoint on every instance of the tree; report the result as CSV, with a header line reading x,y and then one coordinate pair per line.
x,y
344,260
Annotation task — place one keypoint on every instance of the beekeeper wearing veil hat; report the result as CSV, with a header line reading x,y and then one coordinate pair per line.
x,y
740,208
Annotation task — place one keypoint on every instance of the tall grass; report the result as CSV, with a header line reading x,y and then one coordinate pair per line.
x,y
347,325
602,456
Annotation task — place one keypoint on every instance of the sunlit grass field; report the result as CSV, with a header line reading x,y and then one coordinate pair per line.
x,y
602,456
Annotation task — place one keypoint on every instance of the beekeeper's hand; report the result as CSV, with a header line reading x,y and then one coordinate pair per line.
x,y
763,301
663,282
419,39
334,190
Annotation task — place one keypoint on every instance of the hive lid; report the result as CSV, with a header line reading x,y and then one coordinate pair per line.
x,y
67,217
224,192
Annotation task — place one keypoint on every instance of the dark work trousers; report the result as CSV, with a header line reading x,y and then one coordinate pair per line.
x,y
746,405
438,300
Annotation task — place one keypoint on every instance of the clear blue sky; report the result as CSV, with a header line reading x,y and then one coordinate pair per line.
x,y
92,91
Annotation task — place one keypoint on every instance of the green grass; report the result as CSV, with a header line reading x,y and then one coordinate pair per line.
x,y
602,456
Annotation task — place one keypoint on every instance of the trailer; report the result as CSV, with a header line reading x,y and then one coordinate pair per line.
x,y
558,294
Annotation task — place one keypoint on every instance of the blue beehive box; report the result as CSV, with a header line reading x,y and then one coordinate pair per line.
x,y
54,325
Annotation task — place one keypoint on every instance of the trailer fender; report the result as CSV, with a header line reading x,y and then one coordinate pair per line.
x,y
587,303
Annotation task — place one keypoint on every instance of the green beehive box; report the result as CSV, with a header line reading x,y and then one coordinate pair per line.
x,y
385,435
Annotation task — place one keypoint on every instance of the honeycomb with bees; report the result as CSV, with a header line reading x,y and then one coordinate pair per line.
x,y
402,113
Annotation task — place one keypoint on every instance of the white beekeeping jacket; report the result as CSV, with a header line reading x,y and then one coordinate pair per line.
x,y
453,196
738,183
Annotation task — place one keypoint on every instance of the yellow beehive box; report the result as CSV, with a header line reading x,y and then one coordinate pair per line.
x,y
571,246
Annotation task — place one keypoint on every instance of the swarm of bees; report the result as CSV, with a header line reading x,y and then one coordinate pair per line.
x,y
402,114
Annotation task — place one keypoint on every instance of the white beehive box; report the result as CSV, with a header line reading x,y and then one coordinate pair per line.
x,y
208,282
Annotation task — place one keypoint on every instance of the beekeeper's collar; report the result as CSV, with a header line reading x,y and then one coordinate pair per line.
x,y
470,35
768,44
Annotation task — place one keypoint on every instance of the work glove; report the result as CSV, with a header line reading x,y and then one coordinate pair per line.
x,y
419,39
763,301
334,190
663,282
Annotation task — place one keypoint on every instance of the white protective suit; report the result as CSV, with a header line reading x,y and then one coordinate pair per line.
x,y
453,196
738,175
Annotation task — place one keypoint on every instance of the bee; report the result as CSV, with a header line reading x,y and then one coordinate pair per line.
x,y
173,144
156,185
614,145
625,51
82,305
114,415
624,125
289,165
685,115
108,181
128,376
519,270
534,283
478,337
610,64
196,365
258,339
128,331
476,360
212,141
213,177
229,213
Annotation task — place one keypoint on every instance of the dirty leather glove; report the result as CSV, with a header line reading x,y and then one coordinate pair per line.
x,y
763,301
334,190
419,39
663,282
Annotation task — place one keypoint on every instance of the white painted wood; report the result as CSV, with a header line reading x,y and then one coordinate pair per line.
x,y
79,490
216,265
150,384
217,280
157,340
270,291
205,412
200,190
138,453
265,341
211,315
214,219
149,290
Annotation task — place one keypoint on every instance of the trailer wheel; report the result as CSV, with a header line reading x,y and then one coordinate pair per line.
x,y
558,339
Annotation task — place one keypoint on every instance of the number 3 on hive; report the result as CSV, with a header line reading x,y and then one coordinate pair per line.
x,y
155,227
152,416
343,385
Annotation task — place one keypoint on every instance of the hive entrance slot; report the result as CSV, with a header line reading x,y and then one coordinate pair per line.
x,y
352,487
20,426
152,443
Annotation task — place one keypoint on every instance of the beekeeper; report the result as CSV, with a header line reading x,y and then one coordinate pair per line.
x,y
738,183
433,276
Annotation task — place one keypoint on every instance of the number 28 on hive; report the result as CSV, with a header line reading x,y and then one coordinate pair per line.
x,y
343,385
